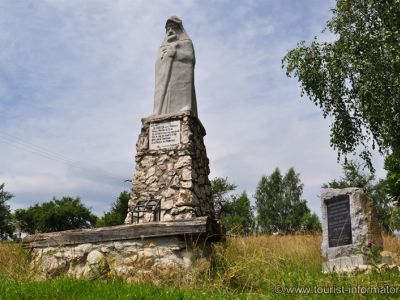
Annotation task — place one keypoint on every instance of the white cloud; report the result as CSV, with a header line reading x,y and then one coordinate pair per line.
x,y
77,77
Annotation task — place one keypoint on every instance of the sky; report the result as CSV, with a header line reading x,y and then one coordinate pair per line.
x,y
76,77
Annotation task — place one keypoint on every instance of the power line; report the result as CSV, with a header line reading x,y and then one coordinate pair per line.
x,y
18,143
33,148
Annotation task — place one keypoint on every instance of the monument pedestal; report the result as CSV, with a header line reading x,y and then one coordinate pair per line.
x,y
353,262
171,169
170,220
135,252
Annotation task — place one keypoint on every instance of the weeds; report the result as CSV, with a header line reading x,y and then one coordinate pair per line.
x,y
14,262
242,267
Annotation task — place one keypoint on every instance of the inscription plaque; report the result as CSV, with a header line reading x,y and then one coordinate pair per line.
x,y
339,223
165,135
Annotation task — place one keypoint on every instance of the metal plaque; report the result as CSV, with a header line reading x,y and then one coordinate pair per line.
x,y
339,223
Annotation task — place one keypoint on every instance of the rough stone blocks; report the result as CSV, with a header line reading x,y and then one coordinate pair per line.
x,y
176,172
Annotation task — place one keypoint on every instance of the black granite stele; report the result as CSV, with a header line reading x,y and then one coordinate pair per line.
x,y
339,222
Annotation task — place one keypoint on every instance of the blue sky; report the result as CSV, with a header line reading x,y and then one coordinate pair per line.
x,y
77,76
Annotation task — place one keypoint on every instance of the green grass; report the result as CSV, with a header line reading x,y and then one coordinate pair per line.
x,y
66,288
245,268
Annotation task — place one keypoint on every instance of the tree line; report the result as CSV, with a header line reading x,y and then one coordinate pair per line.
x,y
279,207
56,215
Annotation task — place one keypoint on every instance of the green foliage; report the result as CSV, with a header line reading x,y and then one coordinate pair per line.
x,y
269,202
233,210
238,216
378,192
6,229
72,289
310,222
355,80
392,166
395,218
353,177
55,215
279,204
375,189
221,191
117,214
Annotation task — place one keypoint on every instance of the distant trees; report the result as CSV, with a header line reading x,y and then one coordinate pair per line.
x,y
279,205
117,214
278,202
310,222
233,210
221,191
55,215
6,229
238,216
376,189
68,213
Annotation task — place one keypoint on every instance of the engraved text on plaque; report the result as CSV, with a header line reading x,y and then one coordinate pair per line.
x,y
339,223
165,135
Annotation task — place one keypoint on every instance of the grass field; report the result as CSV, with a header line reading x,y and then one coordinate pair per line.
x,y
263,267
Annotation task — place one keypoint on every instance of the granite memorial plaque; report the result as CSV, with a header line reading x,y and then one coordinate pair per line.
x,y
339,222
165,135
350,229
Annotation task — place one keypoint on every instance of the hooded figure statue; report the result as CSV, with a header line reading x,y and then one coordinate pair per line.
x,y
174,90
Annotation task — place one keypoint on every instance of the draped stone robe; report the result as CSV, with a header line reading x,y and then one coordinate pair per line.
x,y
174,77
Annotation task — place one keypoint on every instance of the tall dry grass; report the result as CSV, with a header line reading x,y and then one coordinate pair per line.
x,y
259,262
392,244
14,262
244,266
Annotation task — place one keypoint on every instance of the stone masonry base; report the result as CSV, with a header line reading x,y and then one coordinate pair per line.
x,y
131,252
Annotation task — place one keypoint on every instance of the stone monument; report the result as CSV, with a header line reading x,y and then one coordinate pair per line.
x,y
350,229
172,169
170,219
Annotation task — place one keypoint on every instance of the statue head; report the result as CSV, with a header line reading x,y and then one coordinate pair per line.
x,y
174,29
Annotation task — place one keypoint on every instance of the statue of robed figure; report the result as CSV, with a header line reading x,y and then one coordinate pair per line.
x,y
174,78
